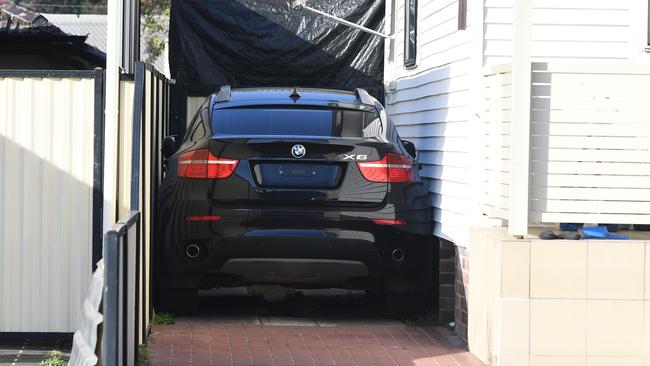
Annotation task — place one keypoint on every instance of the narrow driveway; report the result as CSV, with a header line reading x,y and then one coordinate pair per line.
x,y
315,329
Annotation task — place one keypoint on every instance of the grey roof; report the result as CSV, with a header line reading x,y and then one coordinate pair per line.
x,y
15,19
92,25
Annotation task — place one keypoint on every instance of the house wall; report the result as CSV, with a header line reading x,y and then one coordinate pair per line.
x,y
430,105
438,104
464,137
46,201
573,31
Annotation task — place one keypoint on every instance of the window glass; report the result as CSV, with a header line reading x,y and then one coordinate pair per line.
x,y
295,121
199,132
191,127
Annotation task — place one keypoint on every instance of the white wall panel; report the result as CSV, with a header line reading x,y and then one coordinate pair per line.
x,y
576,30
590,143
496,117
430,107
46,185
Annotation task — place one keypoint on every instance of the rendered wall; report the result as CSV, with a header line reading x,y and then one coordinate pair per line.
x,y
559,302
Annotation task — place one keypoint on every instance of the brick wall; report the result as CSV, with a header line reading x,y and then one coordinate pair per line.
x,y
461,289
453,279
447,281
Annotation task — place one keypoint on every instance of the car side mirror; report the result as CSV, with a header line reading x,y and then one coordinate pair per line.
x,y
169,146
410,148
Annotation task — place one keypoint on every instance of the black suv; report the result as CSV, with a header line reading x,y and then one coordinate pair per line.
x,y
310,188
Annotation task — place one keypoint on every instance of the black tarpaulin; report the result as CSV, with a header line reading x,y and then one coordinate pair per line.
x,y
265,43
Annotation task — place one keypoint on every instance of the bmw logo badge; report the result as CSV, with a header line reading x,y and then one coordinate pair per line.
x,y
298,151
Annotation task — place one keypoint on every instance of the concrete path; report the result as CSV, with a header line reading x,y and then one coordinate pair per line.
x,y
31,349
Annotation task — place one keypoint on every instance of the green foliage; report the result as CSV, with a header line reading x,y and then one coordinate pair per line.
x,y
163,318
55,358
428,319
272,294
144,356
154,27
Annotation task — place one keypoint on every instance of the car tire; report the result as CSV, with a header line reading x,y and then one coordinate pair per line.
x,y
178,301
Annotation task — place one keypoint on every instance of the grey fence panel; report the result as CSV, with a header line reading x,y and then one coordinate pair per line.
x,y
122,286
128,247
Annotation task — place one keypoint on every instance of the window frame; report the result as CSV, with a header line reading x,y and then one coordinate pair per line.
x,y
410,23
647,27
462,14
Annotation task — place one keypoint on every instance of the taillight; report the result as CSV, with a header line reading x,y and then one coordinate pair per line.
x,y
397,222
393,168
202,164
203,218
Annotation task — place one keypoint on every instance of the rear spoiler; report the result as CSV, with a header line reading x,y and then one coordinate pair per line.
x,y
363,97
224,94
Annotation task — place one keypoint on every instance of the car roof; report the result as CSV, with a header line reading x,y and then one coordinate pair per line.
x,y
282,96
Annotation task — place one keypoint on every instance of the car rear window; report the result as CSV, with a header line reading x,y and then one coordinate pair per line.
x,y
295,121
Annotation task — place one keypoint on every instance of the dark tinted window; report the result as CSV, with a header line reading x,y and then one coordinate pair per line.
x,y
294,121
410,32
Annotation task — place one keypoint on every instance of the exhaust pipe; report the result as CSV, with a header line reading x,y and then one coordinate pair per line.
x,y
398,255
192,251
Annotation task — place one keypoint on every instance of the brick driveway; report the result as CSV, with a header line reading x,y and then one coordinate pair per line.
x,y
311,329
191,342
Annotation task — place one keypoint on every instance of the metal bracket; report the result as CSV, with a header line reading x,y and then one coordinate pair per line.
x,y
301,4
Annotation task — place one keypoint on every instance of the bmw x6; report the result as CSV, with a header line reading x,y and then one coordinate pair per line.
x,y
311,188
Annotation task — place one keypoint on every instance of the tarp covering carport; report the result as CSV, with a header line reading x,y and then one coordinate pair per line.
x,y
265,43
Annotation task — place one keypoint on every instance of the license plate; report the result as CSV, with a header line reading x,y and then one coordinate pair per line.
x,y
297,171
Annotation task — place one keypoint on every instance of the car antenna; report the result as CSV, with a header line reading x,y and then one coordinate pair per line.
x,y
294,94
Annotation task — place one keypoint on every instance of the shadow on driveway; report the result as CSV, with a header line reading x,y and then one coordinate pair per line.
x,y
315,327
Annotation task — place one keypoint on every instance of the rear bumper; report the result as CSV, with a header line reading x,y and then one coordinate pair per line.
x,y
327,248
282,270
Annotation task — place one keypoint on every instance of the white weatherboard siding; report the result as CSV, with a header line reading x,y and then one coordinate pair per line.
x,y
46,186
430,107
574,30
495,130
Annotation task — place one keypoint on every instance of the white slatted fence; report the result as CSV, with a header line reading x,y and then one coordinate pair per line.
x,y
590,143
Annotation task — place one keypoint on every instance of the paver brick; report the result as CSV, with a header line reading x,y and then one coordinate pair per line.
x,y
196,342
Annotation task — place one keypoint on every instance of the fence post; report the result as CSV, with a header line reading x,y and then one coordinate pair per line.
x,y
520,143
111,304
137,133
98,168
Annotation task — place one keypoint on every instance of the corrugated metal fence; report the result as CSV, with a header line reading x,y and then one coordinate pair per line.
x,y
128,250
51,128
51,154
